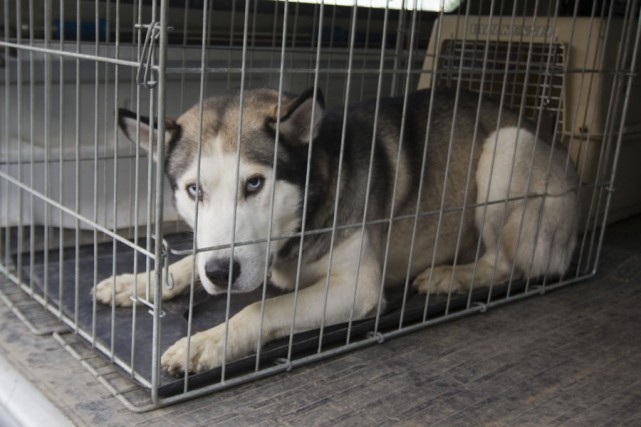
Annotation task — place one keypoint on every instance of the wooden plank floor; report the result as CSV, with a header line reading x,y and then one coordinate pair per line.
x,y
571,357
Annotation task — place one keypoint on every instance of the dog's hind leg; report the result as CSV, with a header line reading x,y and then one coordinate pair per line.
x,y
535,241
510,251
492,267
526,215
543,242
537,227
120,289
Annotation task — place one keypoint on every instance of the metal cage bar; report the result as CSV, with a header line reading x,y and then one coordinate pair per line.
x,y
85,214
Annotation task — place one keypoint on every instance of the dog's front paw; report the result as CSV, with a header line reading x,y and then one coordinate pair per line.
x,y
118,290
439,280
206,351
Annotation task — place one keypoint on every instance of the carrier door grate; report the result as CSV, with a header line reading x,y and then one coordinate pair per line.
x,y
463,60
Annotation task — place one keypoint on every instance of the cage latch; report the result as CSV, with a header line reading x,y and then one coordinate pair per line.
x,y
145,76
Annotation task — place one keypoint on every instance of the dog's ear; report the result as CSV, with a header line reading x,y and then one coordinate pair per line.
x,y
128,121
301,121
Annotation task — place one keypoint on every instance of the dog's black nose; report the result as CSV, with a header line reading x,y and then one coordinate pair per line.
x,y
217,271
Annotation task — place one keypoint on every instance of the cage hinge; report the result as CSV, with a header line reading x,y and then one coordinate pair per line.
x,y
164,255
145,76
284,361
482,306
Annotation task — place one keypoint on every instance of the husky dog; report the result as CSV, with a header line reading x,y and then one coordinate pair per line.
x,y
474,175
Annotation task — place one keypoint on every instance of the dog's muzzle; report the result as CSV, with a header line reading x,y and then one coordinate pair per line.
x,y
218,270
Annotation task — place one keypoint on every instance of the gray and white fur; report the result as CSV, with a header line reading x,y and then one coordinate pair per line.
x,y
520,199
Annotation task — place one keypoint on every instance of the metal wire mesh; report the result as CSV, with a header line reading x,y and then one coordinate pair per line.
x,y
82,205
505,57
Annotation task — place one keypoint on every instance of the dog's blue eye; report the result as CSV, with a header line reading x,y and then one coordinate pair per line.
x,y
194,192
254,185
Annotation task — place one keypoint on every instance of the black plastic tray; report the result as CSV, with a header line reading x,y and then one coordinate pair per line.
x,y
95,264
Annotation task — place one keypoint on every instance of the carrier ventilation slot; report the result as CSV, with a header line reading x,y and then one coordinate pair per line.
x,y
537,66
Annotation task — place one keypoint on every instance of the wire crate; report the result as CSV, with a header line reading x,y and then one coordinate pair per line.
x,y
82,206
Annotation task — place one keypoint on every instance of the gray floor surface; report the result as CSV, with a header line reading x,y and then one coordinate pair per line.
x,y
570,357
